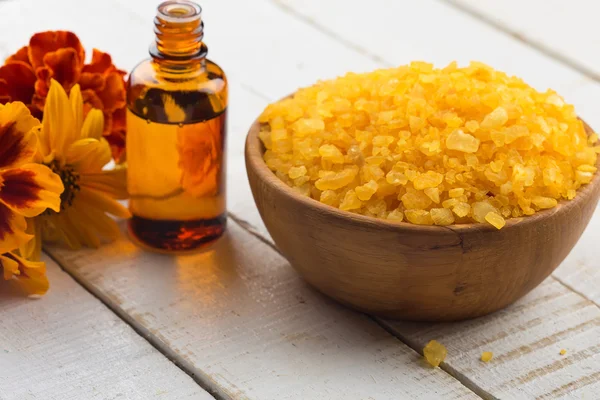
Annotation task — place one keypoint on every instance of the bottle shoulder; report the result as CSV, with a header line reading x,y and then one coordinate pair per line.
x,y
210,79
149,82
215,69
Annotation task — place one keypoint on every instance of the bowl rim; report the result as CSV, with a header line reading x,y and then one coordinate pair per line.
x,y
254,150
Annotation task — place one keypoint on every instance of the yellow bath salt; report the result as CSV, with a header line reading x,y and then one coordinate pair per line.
x,y
435,353
430,146
563,352
486,356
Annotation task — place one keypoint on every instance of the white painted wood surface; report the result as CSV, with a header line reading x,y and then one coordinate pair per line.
x,y
564,29
399,31
279,346
69,346
242,321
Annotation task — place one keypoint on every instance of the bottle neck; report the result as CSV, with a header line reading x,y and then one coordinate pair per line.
x,y
179,31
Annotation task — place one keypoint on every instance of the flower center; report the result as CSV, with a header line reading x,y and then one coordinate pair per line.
x,y
70,179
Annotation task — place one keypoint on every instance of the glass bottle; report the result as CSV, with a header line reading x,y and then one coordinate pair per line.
x,y
176,126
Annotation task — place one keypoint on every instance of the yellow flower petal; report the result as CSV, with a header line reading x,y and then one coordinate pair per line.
x,y
88,155
31,275
10,267
18,113
77,107
113,182
82,226
18,135
58,127
57,229
12,230
32,250
30,189
50,233
103,225
93,125
98,200
106,226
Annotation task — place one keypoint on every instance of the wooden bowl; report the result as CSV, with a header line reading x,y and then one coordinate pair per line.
x,y
415,272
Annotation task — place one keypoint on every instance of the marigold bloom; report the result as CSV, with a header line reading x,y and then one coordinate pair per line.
x,y
59,55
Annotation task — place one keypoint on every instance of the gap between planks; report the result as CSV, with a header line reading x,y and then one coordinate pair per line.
x,y
572,289
535,45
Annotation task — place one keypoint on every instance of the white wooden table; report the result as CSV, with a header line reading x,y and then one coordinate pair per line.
x,y
237,322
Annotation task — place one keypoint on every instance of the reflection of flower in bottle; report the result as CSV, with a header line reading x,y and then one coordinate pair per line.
x,y
200,157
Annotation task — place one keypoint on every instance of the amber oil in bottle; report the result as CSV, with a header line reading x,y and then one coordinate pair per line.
x,y
176,128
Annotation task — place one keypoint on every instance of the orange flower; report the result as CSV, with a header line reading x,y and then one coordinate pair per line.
x,y
59,55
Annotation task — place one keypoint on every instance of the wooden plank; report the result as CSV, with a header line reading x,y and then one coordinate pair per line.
x,y
69,346
526,340
562,29
241,320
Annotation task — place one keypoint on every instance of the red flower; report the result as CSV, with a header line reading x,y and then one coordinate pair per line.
x,y
59,55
